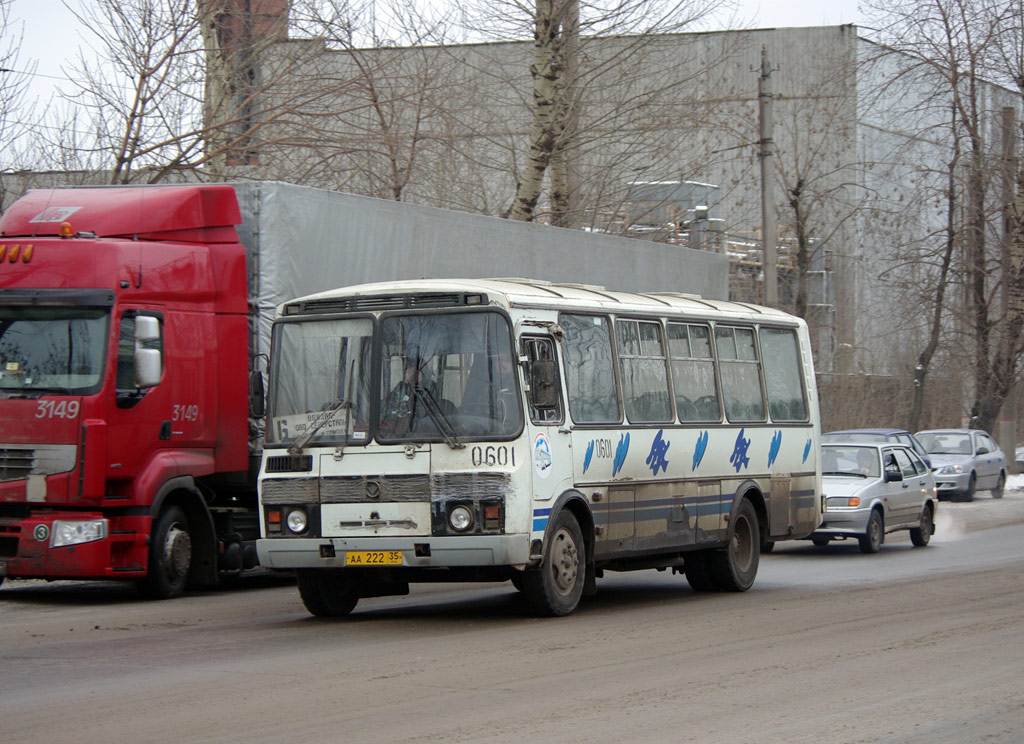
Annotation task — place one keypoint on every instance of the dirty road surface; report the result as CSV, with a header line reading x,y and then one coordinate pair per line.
x,y
910,645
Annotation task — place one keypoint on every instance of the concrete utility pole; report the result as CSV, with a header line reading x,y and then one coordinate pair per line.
x,y
768,238
1007,433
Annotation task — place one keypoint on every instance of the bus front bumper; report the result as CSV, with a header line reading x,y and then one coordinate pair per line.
x,y
419,552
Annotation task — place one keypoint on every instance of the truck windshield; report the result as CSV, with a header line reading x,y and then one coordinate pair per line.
x,y
446,376
52,349
320,379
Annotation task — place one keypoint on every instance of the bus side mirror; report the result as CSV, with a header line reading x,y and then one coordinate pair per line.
x,y
257,397
544,383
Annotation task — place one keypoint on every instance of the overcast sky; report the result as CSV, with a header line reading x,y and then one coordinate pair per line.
x,y
51,33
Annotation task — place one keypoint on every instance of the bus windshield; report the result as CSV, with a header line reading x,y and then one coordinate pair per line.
x,y
320,382
443,377
52,349
447,375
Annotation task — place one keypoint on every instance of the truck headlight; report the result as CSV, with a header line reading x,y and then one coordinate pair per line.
x,y
77,531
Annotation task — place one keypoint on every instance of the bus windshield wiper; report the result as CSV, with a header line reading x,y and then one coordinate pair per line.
x,y
326,414
444,426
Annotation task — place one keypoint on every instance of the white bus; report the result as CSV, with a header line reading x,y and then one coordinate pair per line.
x,y
496,430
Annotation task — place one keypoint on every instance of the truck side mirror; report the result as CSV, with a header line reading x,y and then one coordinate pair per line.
x,y
148,361
257,397
544,383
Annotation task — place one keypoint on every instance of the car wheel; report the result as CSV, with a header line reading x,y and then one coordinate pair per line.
x,y
997,492
326,593
873,535
698,572
734,568
921,534
820,542
971,485
555,589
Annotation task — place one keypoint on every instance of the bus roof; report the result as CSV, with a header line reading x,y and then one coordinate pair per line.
x,y
517,292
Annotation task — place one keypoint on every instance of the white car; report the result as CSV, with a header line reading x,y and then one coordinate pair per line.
x,y
965,461
871,489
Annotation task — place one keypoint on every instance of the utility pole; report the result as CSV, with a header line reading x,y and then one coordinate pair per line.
x,y
766,153
1007,433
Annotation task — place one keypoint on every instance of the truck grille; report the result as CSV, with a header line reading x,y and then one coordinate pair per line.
x,y
16,464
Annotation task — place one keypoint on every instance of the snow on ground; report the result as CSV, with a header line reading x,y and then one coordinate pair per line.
x,y
954,519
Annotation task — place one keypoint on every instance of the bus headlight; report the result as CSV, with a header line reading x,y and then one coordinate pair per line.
x,y
297,521
75,532
460,518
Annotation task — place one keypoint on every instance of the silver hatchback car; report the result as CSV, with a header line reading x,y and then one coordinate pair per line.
x,y
965,461
871,489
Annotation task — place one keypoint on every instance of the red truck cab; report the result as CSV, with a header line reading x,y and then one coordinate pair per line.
x,y
124,396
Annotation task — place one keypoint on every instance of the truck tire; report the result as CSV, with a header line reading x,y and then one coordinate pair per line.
x,y
734,567
326,593
555,588
170,556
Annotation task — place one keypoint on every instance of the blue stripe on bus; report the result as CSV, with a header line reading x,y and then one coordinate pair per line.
x,y
540,519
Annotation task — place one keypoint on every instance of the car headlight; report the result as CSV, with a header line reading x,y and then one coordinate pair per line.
x,y
843,501
460,518
297,521
75,532
950,470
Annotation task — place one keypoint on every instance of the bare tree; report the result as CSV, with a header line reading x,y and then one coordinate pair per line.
x,y
955,42
15,107
564,69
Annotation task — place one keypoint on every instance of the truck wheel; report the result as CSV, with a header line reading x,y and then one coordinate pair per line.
x,y
555,589
735,567
170,556
698,571
326,593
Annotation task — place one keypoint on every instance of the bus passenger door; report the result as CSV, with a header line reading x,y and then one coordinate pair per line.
x,y
547,435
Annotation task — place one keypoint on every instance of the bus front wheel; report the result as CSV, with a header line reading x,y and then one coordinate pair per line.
x,y
326,593
735,566
555,589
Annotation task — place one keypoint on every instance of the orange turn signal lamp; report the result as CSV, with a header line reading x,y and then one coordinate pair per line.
x,y
12,253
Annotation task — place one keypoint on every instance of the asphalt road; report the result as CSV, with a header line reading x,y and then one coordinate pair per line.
x,y
909,645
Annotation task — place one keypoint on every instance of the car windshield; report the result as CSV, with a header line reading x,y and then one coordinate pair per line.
x,y
859,462
946,442
52,349
445,376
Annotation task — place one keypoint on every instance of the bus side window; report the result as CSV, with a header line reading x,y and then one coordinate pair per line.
x,y
589,369
780,357
545,374
741,375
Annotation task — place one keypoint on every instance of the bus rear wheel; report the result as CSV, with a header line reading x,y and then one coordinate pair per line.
x,y
734,568
555,589
697,569
326,593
